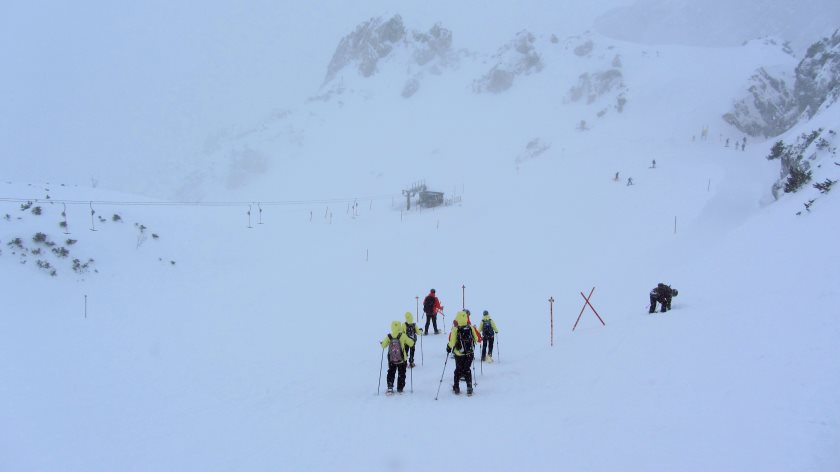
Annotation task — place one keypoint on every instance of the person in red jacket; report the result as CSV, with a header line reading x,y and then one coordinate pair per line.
x,y
431,307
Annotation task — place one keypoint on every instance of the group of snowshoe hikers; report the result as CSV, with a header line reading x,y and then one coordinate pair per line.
x,y
401,343
463,337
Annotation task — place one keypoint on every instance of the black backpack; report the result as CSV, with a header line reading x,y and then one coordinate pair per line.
x,y
411,330
465,339
429,304
487,328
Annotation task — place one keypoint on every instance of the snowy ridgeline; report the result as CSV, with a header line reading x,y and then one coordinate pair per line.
x,y
380,44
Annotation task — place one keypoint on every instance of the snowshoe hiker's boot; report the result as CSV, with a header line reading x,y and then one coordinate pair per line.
x,y
489,360
456,389
469,391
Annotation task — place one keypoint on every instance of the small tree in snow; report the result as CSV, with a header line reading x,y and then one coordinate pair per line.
x,y
796,179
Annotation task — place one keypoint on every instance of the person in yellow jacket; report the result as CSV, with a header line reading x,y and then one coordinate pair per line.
x,y
488,335
462,340
410,328
395,342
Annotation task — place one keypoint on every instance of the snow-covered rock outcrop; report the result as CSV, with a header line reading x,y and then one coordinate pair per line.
x,y
773,107
818,76
364,51
770,108
518,57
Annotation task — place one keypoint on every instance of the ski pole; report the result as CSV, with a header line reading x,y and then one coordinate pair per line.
x,y
482,360
475,380
441,375
498,348
421,347
382,358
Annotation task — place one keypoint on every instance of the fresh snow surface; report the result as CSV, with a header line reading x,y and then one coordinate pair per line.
x,y
218,347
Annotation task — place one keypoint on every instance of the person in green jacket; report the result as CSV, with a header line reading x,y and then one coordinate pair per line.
x,y
462,340
396,342
488,335
411,330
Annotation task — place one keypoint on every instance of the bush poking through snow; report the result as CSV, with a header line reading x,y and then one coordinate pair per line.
x,y
825,186
81,268
40,238
796,179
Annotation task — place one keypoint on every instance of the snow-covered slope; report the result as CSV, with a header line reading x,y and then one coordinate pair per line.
x,y
197,342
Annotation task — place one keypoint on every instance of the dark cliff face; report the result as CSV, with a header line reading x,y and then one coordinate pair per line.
x,y
773,107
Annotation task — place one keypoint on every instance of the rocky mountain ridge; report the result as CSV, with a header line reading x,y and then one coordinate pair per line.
x,y
778,99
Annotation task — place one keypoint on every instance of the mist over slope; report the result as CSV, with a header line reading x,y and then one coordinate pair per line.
x,y
720,23
242,333
135,100
400,102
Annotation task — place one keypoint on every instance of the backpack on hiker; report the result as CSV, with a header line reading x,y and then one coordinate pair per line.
x,y
429,305
411,330
395,352
465,339
487,328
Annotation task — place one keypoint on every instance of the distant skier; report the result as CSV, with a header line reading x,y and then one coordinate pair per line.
x,y
629,181
663,294
431,307
410,328
488,331
616,177
462,341
653,164
396,342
